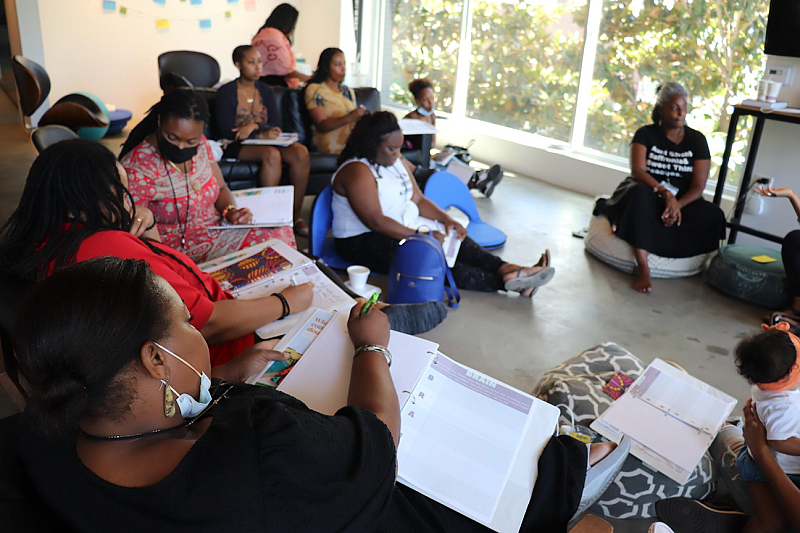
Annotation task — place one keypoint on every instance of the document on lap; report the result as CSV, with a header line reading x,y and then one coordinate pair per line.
x,y
662,407
296,269
271,207
284,139
468,441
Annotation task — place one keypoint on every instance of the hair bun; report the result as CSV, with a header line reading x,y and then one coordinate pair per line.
x,y
58,403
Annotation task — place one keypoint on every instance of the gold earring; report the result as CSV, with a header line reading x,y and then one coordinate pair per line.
x,y
169,399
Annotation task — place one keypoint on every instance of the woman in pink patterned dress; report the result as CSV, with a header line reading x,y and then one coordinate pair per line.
x,y
172,172
274,42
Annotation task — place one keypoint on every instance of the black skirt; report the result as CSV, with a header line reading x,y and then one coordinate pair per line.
x,y
636,211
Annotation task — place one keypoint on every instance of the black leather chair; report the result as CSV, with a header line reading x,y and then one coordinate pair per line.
x,y
184,68
47,135
33,86
294,118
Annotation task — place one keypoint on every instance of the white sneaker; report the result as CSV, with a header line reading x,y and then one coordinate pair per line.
x,y
660,527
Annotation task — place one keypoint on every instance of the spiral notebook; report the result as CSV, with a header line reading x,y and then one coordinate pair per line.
x,y
468,441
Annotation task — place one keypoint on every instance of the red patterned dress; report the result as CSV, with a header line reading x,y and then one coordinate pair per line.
x,y
161,188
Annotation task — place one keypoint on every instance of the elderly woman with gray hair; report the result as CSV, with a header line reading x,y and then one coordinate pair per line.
x,y
660,209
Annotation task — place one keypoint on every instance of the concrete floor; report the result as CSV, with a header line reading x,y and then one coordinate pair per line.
x,y
515,339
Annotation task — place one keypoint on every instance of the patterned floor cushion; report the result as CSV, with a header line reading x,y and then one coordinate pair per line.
x,y
601,242
734,272
575,387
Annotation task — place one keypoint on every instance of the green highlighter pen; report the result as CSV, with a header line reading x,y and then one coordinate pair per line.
x,y
372,300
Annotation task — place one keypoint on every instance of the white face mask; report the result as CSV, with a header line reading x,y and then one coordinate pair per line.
x,y
186,403
424,112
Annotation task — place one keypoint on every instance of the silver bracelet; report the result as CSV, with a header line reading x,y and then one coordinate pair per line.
x,y
375,348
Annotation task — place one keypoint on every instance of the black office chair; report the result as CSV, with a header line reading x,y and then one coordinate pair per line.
x,y
183,68
33,86
47,135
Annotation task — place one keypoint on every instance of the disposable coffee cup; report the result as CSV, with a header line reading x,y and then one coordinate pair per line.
x,y
357,275
773,88
768,90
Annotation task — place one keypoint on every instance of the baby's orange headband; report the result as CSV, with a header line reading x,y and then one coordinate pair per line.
x,y
792,379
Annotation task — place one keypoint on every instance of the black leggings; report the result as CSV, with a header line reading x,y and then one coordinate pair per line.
x,y
790,252
475,269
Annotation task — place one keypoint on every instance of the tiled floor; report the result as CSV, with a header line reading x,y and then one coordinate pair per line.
x,y
514,339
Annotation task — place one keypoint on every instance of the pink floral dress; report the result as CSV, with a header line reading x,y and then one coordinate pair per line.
x,y
183,205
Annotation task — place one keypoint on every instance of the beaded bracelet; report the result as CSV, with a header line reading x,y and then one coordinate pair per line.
x,y
286,309
151,226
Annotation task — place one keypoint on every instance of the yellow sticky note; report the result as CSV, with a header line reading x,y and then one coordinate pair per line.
x,y
227,14
763,259
162,24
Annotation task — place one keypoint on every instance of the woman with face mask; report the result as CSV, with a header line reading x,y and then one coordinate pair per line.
x,y
376,203
331,104
172,172
124,431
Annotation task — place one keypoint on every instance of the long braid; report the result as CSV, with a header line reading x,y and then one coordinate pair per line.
x,y
70,181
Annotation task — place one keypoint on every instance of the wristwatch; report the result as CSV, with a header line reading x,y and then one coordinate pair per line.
x,y
374,348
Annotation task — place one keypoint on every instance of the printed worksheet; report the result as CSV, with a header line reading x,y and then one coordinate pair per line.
x,y
271,207
461,433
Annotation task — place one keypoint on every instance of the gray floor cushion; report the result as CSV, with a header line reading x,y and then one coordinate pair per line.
x,y
575,387
734,272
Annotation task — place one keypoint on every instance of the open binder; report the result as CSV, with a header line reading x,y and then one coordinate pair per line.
x,y
290,268
467,441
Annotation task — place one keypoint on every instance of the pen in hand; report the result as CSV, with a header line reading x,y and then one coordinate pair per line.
x,y
368,305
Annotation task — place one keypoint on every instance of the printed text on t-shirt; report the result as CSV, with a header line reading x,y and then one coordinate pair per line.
x,y
668,163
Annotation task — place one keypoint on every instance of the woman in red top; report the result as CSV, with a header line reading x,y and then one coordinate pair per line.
x,y
172,172
76,206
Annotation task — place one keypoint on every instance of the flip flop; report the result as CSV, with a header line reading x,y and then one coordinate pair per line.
x,y
536,280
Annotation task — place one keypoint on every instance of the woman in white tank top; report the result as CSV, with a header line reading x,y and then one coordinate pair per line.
x,y
376,203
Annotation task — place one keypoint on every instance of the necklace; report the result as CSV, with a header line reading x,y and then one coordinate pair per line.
x,y
181,223
185,425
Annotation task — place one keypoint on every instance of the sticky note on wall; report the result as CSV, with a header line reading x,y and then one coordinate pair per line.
x,y
196,2
109,5
227,14
123,10
250,4
162,24
205,23
162,2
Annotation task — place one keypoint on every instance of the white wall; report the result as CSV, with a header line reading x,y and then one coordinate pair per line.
x,y
114,56
778,157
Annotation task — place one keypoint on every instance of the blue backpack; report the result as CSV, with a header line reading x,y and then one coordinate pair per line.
x,y
418,273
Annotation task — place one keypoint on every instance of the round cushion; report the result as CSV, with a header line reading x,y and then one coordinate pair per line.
x,y
576,388
117,120
601,242
734,272
93,133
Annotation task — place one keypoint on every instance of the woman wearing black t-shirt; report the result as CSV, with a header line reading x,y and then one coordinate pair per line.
x,y
124,431
660,208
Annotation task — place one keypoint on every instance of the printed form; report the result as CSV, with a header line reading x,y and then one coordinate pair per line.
x,y
461,434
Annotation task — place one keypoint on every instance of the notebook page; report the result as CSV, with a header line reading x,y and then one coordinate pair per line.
x,y
271,206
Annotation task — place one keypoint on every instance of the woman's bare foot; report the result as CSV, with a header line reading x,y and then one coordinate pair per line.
x,y
544,261
642,281
599,450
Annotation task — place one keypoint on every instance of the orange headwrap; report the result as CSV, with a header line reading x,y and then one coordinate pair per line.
x,y
792,379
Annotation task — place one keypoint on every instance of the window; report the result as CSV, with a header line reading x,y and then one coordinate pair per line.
x,y
524,69
525,65
426,34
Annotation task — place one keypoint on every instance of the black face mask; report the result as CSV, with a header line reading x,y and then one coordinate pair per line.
x,y
173,153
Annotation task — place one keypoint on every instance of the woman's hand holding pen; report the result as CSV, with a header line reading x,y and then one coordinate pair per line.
x,y
244,132
372,328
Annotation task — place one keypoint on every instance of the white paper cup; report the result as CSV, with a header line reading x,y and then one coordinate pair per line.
x,y
773,88
357,275
762,91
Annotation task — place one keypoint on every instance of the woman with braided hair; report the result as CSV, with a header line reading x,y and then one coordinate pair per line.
x,y
172,172
76,206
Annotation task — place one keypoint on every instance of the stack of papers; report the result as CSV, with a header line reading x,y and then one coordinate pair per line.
x,y
271,207
284,139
